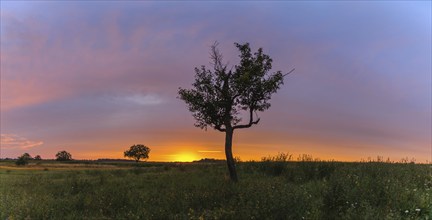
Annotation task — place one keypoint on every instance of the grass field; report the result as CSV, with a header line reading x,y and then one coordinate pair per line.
x,y
267,190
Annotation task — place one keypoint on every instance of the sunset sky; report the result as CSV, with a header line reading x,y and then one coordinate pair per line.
x,y
94,78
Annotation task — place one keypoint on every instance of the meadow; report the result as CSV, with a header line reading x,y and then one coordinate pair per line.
x,y
271,189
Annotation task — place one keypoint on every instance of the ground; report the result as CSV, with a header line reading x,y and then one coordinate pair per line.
x,y
266,190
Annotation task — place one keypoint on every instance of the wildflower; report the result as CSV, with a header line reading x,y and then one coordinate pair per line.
x,y
417,210
406,211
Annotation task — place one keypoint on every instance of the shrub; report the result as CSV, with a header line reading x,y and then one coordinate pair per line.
x,y
275,165
23,159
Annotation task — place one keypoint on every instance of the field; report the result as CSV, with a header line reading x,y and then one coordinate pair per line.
x,y
269,189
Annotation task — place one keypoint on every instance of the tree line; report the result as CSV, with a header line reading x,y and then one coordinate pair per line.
x,y
60,156
137,152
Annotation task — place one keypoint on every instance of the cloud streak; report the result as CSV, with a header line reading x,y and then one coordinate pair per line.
x,y
145,100
13,141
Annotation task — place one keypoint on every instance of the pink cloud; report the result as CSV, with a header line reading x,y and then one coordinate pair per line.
x,y
41,64
13,141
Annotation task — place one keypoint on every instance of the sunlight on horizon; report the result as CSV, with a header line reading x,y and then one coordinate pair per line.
x,y
184,157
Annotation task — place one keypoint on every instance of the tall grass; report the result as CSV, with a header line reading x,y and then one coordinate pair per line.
x,y
276,188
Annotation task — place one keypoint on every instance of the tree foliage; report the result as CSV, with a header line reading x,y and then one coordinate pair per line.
x,y
219,96
26,156
63,156
137,152
23,159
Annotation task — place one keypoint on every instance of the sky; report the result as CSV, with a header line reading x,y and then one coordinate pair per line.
x,y
96,77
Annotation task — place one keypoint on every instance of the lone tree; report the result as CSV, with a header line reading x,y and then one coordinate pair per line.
x,y
137,152
221,95
63,156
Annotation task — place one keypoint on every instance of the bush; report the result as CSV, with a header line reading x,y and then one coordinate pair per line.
x,y
275,165
21,161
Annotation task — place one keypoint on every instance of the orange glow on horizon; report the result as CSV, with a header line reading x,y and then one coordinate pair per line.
x,y
184,157
189,151
190,156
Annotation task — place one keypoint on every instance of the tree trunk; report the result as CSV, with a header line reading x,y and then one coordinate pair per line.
x,y
228,153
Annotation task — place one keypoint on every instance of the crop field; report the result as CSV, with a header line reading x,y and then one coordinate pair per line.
x,y
266,190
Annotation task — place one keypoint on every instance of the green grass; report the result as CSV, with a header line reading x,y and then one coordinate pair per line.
x,y
266,190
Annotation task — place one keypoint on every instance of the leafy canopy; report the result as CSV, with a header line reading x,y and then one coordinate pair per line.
x,y
63,156
220,96
26,156
138,152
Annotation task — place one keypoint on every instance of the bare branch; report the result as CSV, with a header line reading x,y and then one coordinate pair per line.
x,y
216,57
247,125
218,127
288,72
251,121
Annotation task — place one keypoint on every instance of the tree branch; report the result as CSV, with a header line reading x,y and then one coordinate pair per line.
x,y
288,73
218,127
217,58
251,121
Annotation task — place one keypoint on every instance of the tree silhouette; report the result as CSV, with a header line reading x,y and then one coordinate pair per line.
x,y
220,96
137,152
23,159
26,156
63,156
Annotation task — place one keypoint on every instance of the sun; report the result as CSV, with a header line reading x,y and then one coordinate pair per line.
x,y
185,157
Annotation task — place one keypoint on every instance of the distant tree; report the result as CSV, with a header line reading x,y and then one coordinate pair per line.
x,y
38,157
63,156
23,159
26,156
222,95
137,152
